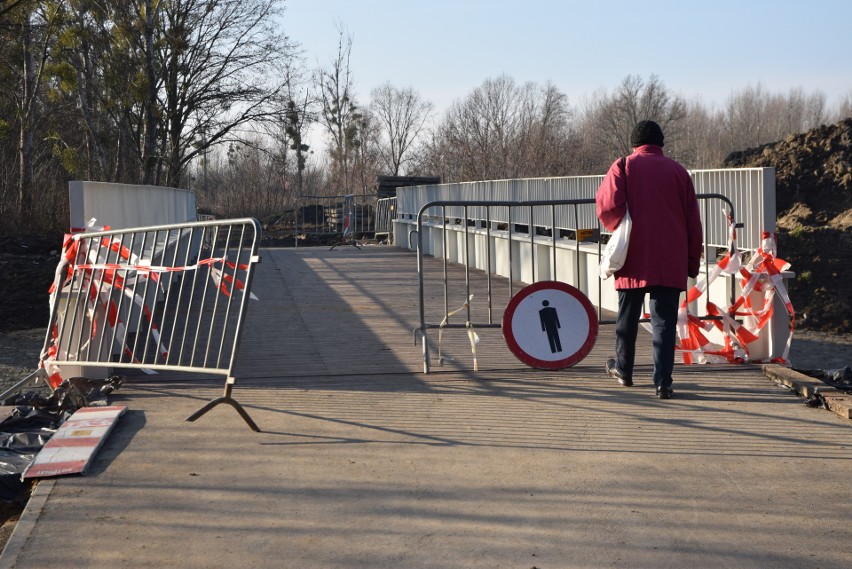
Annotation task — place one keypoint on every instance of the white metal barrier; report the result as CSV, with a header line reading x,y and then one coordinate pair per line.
x,y
385,214
168,297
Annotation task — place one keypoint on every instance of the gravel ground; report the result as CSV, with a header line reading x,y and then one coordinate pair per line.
x,y
820,350
19,355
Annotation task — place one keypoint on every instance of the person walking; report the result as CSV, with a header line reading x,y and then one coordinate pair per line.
x,y
665,248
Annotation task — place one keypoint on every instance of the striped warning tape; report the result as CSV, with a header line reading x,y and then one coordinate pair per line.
x,y
761,274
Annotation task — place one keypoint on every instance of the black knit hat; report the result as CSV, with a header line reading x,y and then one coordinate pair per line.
x,y
646,132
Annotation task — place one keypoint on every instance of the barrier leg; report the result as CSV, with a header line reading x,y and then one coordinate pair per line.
x,y
226,398
425,342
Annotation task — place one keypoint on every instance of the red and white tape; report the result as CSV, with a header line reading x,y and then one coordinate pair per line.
x,y
761,274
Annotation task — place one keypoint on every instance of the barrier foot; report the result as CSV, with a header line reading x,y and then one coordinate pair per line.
x,y
353,243
226,398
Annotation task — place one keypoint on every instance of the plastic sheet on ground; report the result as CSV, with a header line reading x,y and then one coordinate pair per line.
x,y
28,420
840,378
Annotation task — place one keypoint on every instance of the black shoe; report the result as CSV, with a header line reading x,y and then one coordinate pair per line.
x,y
664,392
613,371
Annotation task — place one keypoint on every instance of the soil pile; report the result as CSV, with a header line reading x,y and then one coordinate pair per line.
x,y
813,182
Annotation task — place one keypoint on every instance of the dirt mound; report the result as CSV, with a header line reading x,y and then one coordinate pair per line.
x,y
813,182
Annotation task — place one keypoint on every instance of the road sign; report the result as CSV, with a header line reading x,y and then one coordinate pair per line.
x,y
71,449
550,325
588,235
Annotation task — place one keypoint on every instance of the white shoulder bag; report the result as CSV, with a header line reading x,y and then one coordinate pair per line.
x,y
615,252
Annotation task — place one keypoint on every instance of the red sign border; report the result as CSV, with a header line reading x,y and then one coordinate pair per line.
x,y
546,364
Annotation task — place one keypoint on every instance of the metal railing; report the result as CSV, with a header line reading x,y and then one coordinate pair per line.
x,y
385,214
169,297
532,222
352,214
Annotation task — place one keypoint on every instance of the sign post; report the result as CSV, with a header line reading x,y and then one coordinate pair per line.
x,y
550,325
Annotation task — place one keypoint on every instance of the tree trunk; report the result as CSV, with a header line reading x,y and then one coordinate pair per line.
x,y
25,141
149,152
84,91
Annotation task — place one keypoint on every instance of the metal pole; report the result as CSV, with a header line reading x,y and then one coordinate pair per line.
x,y
488,259
553,240
423,336
531,229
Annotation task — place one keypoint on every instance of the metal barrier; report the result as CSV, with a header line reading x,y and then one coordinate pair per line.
x,y
169,297
532,223
385,214
349,215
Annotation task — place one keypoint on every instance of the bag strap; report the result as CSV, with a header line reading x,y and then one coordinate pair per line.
x,y
623,164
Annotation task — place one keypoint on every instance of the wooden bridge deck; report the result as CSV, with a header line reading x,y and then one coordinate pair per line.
x,y
350,312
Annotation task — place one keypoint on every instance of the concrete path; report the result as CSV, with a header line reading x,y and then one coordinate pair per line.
x,y
364,462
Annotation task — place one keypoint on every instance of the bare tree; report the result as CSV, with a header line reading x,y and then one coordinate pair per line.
x,y
546,143
366,154
299,115
38,27
745,117
401,113
479,132
503,130
340,112
635,100
815,112
844,108
219,58
702,143
163,82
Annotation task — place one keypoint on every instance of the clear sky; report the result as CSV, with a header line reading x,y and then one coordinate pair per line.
x,y
698,48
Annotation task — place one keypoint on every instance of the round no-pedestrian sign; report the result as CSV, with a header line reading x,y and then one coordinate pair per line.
x,y
550,325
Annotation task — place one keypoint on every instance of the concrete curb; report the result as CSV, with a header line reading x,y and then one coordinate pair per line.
x,y
837,401
24,527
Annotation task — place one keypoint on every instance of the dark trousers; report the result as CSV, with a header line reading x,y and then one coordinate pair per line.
x,y
663,305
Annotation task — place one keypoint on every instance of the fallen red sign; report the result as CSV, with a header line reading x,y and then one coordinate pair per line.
x,y
72,448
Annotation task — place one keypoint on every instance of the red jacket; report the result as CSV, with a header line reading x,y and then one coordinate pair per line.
x,y
666,239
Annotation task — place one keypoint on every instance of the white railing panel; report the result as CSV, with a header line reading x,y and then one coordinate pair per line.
x,y
751,190
128,205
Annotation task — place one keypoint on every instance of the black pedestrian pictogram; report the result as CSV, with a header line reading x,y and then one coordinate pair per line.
x,y
550,324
